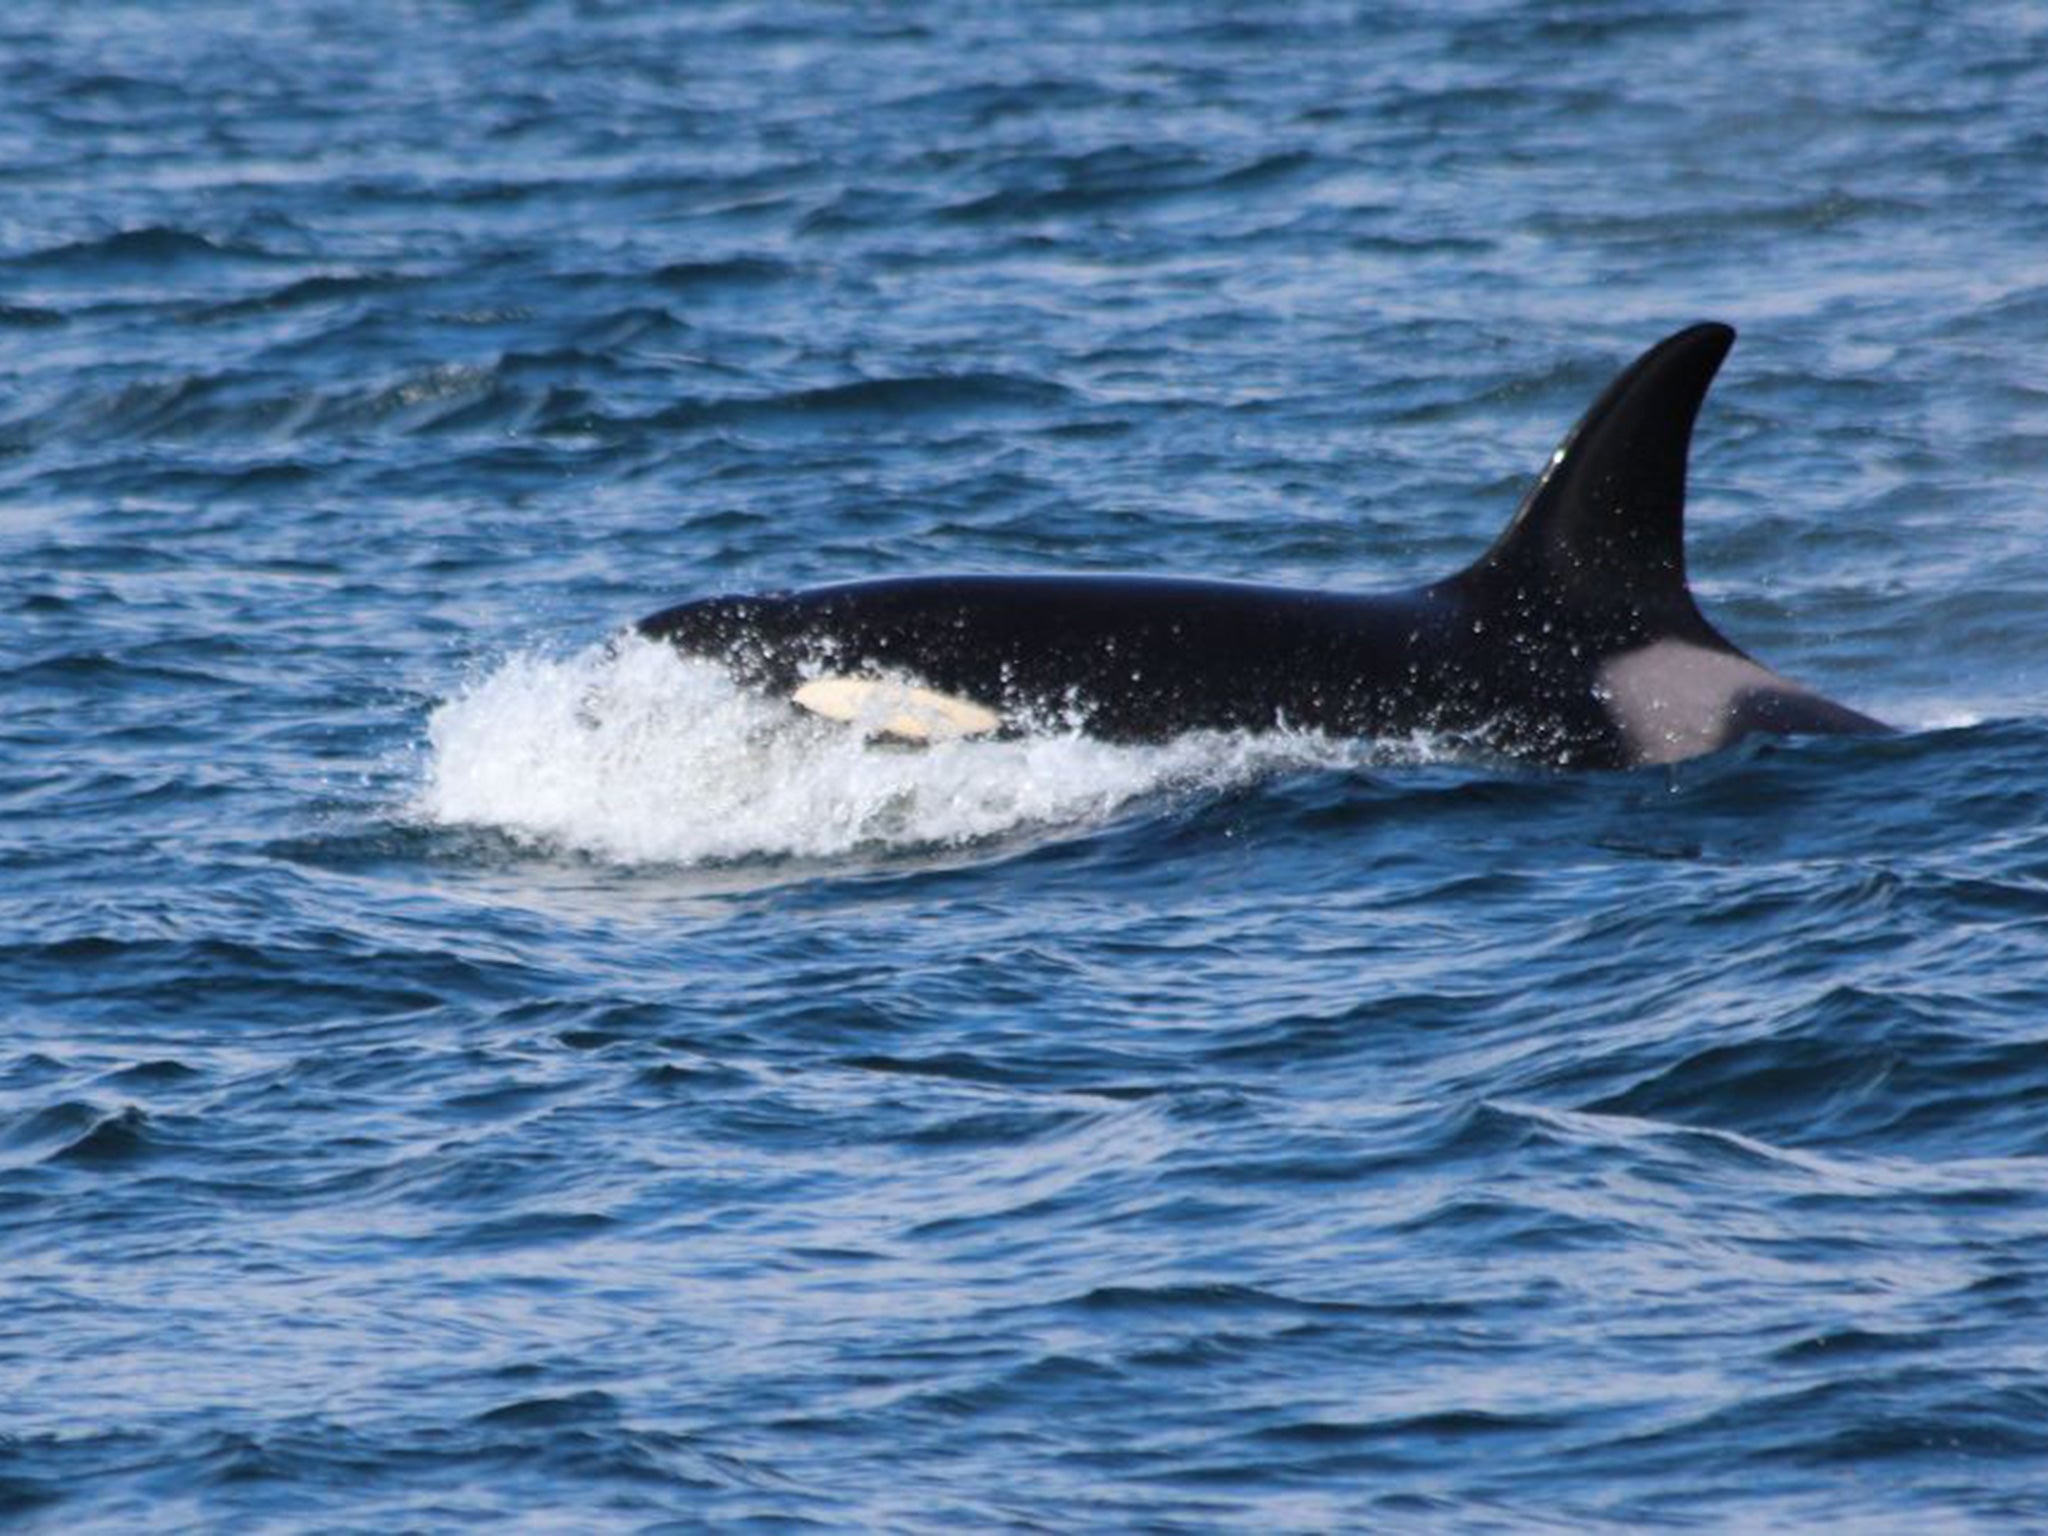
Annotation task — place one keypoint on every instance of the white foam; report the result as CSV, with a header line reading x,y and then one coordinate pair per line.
x,y
637,755
1942,715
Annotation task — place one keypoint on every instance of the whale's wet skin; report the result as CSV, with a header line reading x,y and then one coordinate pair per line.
x,y
880,1065
1574,641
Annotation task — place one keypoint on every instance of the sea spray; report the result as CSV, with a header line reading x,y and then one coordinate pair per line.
x,y
632,753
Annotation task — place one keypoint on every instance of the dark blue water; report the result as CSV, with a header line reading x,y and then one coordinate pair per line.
x,y
429,1100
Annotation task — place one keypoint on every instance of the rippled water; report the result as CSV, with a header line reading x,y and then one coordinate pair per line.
x,y
428,1100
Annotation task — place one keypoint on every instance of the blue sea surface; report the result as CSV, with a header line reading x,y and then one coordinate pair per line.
x,y
459,1074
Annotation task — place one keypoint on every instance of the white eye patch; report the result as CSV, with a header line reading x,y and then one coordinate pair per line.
x,y
896,711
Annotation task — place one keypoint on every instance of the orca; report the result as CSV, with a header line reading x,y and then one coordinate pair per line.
x,y
1574,641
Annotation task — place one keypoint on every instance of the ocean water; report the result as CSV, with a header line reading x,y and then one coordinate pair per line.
x,y
456,1073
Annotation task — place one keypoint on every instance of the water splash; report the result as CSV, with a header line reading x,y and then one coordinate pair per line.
x,y
633,753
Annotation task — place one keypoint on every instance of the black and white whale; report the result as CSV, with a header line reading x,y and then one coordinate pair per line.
x,y
1573,641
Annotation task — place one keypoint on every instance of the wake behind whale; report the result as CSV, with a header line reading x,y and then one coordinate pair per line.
x,y
1574,641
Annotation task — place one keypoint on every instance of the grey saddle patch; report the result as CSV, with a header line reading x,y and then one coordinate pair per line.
x,y
1673,700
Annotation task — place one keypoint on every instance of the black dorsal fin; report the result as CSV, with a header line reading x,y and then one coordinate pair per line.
x,y
1602,533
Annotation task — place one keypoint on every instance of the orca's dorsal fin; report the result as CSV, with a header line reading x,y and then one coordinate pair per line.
x,y
1601,535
